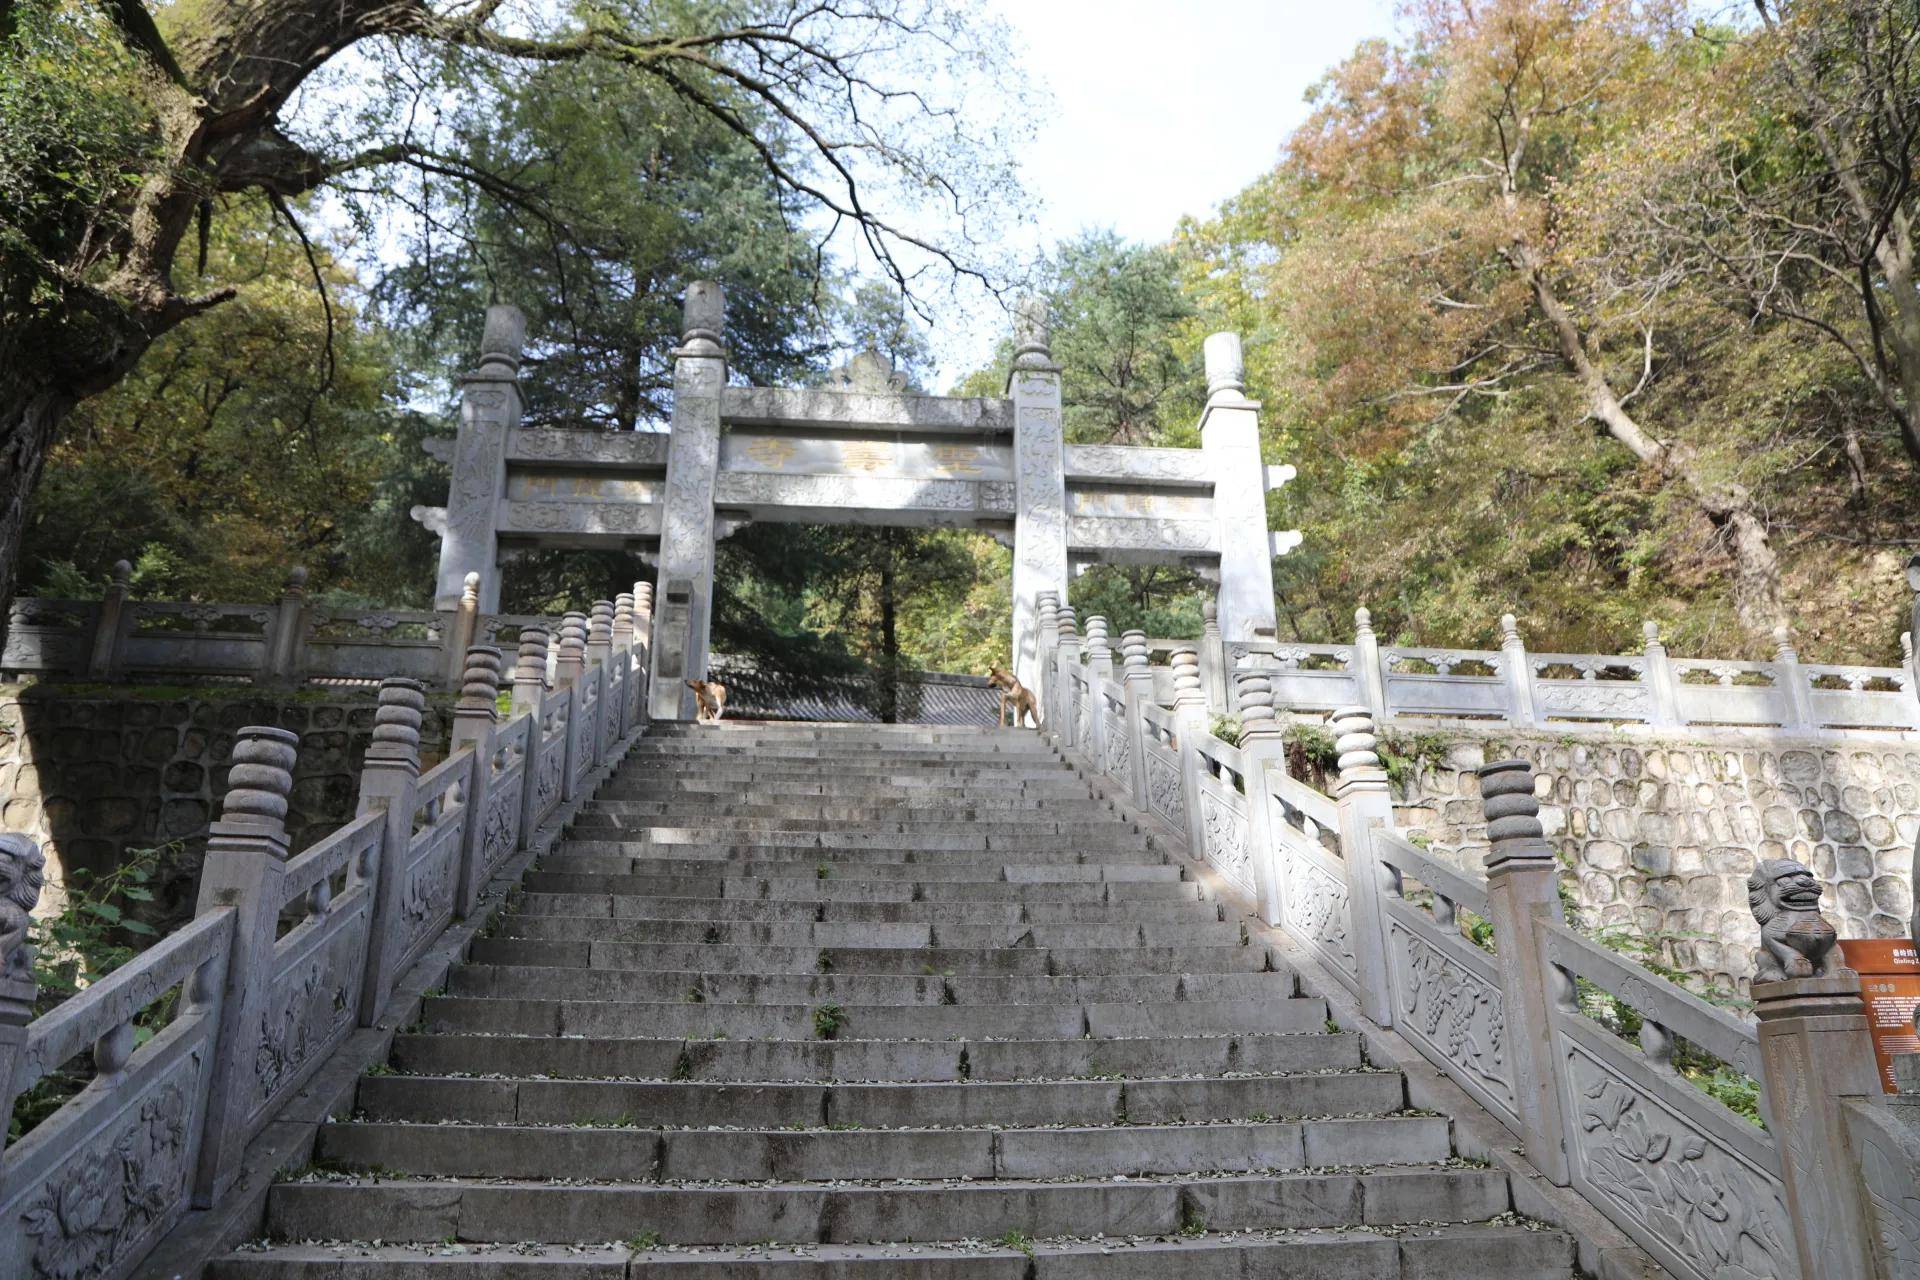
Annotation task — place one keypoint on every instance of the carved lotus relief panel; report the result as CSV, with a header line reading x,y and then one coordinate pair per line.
x,y
117,1191
1119,748
1710,1214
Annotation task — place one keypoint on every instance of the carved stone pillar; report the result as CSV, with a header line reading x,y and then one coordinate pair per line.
x,y
1213,659
1262,746
475,717
1366,803
1099,670
1046,686
1366,662
388,785
26,868
1517,668
530,672
285,653
1523,885
245,865
489,409
1665,712
1137,678
1816,1055
103,656
1067,660
1190,715
572,663
1040,485
1230,438
686,528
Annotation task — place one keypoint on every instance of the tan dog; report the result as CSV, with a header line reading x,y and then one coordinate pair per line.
x,y
710,700
1013,694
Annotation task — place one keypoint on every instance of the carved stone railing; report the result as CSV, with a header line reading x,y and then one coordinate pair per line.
x,y
287,956
1480,976
1512,686
287,642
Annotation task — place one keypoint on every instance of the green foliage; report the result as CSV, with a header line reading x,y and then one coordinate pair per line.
x,y
827,1021
1228,729
1015,1238
94,931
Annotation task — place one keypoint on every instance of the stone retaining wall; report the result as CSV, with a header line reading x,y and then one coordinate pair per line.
x,y
92,773
1659,834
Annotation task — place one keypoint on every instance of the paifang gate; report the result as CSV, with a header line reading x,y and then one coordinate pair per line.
x,y
859,450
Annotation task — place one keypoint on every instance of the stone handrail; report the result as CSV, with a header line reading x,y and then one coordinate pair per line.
x,y
1705,1192
289,641
287,956
1512,686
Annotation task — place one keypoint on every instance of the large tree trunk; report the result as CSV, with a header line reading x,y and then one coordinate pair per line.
x,y
1728,506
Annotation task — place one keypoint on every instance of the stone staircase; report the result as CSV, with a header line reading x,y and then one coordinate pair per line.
x,y
797,1001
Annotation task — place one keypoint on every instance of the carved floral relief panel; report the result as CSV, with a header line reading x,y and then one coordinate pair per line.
x,y
1316,907
96,1213
1225,833
308,1010
1165,794
1703,1211
1457,1013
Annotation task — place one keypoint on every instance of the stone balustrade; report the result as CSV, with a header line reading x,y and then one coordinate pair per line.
x,y
1511,686
1479,974
287,955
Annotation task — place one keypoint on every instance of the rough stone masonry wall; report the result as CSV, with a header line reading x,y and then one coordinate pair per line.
x,y
92,773
1659,835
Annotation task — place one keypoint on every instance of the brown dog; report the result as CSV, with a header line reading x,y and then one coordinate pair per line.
x,y
710,700
1013,694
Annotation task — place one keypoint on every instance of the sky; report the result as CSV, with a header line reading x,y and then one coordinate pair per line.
x,y
1161,109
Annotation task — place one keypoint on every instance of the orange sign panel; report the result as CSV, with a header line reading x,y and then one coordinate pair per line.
x,y
1889,970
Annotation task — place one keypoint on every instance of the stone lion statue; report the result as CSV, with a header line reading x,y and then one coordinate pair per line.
x,y
1795,940
23,870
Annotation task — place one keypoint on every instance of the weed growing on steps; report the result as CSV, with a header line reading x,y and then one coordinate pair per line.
x,y
644,1241
827,1021
1017,1239
821,871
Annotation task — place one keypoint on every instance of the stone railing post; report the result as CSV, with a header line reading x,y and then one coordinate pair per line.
x,y
623,658
1665,689
529,688
643,618
475,718
1796,702
18,990
1213,658
1263,745
388,785
1066,658
245,865
462,629
1190,719
283,647
103,656
1518,669
568,669
1815,1054
1366,662
529,672
600,654
1099,669
1365,802
1523,885
1137,678
1047,672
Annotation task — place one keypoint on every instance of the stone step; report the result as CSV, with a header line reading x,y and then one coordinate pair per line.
x,y
533,908
870,1060
815,806
1097,838
843,791
907,822
699,986
976,870
568,952
980,775
1023,753
1486,1252
841,889
556,1017
893,1105
1151,932
509,1210
645,1154
810,857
